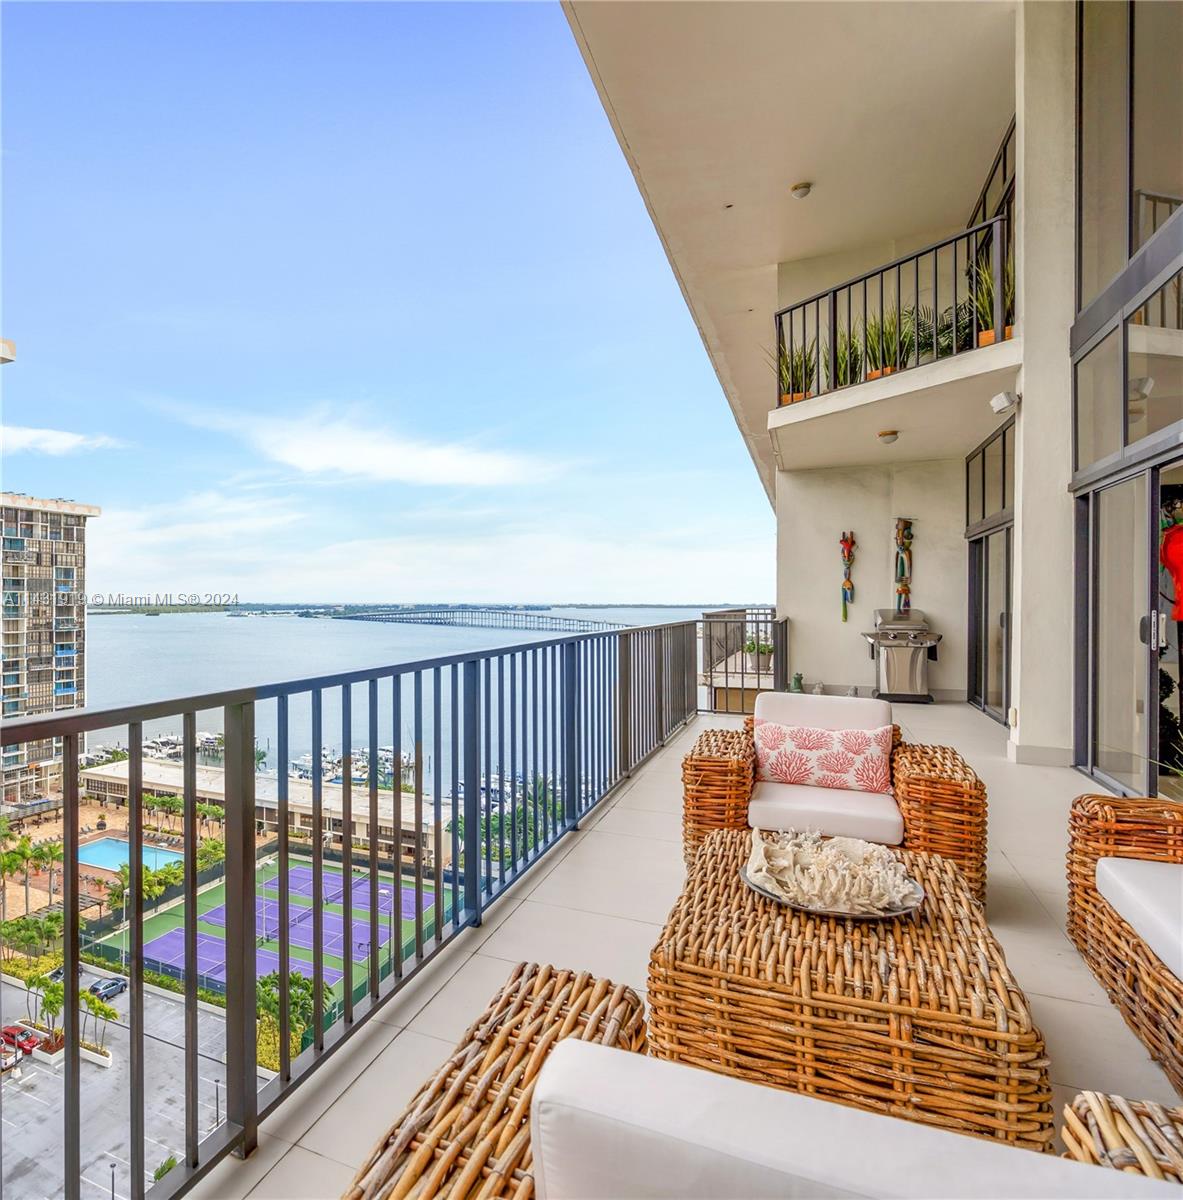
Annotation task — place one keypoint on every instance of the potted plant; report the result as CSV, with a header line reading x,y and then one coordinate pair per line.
x,y
797,372
888,343
983,300
759,654
848,359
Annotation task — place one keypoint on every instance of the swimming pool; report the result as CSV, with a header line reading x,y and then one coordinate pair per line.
x,y
111,853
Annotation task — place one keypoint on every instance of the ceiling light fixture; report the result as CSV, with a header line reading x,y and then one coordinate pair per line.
x,y
801,190
887,436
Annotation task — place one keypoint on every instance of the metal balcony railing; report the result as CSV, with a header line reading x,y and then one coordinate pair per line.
x,y
486,760
947,299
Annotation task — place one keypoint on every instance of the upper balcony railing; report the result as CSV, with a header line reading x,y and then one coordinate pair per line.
x,y
947,299
479,763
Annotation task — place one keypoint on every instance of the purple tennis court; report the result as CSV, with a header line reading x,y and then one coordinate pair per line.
x,y
168,951
300,884
300,930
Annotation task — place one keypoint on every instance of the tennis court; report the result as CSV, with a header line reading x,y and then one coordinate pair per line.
x,y
164,929
268,920
166,954
300,884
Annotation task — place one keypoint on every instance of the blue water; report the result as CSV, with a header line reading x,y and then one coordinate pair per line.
x,y
111,854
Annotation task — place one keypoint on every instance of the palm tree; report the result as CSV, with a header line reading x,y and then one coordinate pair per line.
x,y
106,1013
52,925
25,854
53,1000
9,865
48,855
35,986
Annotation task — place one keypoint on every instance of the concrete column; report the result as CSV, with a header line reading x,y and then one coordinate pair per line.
x,y
1043,605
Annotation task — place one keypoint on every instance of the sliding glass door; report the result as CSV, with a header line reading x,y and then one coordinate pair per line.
x,y
989,622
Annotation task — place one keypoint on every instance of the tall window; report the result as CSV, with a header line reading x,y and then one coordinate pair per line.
x,y
1157,115
1103,229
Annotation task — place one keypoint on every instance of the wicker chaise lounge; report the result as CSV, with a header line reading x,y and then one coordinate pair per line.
x,y
940,799
1118,849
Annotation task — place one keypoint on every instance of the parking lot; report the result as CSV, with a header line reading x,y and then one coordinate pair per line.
x,y
31,1107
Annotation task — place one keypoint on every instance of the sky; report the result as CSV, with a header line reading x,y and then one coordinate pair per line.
x,y
353,302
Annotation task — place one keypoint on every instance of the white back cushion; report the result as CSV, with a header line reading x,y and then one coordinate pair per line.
x,y
823,712
607,1123
1149,895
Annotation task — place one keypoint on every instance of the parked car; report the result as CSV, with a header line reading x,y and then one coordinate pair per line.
x,y
106,988
20,1037
59,973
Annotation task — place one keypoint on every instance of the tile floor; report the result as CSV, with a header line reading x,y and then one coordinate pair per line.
x,y
599,901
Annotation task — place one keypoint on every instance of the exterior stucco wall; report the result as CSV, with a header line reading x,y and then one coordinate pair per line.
x,y
813,508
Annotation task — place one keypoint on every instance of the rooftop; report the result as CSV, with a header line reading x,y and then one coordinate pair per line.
x,y
598,902
56,505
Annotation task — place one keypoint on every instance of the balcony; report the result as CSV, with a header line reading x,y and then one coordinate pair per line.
x,y
600,904
916,347
551,832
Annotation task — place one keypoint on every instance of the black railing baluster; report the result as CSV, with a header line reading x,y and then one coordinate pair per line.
x,y
347,849
373,823
318,870
472,792
192,964
437,807
396,855
134,966
72,1097
417,717
282,934
455,806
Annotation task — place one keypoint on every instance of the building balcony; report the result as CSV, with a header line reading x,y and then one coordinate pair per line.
x,y
564,850
900,363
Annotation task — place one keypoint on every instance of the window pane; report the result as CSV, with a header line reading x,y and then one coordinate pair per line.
x,y
1099,394
974,487
1103,128
997,605
1008,459
1120,747
993,454
1156,362
1158,114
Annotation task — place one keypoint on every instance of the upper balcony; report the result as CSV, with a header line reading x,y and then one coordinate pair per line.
x,y
906,354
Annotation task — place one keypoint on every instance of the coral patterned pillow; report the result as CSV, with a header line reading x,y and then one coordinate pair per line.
x,y
856,759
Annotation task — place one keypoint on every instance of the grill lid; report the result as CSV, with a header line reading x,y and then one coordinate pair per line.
x,y
913,621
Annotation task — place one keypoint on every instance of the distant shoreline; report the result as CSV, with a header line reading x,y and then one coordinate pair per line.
x,y
290,609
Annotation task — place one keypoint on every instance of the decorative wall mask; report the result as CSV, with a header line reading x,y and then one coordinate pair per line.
x,y
847,542
903,565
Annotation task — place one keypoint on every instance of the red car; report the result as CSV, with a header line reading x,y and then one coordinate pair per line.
x,y
20,1037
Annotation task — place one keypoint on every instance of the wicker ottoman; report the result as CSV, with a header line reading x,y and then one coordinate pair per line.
x,y
1127,1135
916,1017
467,1131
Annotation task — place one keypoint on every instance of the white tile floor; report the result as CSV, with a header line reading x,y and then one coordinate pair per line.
x,y
599,903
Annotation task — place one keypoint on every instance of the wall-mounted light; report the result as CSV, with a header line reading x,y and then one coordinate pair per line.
x,y
1004,402
800,190
887,436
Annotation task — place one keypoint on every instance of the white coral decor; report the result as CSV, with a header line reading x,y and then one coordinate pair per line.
x,y
838,875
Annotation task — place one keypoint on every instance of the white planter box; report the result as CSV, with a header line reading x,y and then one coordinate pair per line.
x,y
52,1059
99,1060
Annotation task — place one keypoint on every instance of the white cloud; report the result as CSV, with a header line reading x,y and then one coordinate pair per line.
x,y
21,439
323,443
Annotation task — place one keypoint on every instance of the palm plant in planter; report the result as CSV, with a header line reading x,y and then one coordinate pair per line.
x,y
796,371
888,342
982,284
848,359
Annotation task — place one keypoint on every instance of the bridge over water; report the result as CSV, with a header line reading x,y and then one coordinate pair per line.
x,y
484,618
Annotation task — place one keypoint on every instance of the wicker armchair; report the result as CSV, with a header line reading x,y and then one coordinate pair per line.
x,y
941,799
1148,995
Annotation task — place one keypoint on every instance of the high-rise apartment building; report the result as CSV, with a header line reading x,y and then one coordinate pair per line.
x,y
44,650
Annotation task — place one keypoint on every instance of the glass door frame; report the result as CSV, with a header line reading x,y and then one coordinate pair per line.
x,y
978,613
1088,578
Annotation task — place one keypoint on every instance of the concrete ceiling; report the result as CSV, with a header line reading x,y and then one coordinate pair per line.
x,y
892,110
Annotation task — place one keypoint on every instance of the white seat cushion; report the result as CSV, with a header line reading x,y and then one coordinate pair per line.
x,y
872,816
1149,895
823,712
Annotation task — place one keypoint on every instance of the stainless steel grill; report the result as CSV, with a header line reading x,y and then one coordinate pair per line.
x,y
902,646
